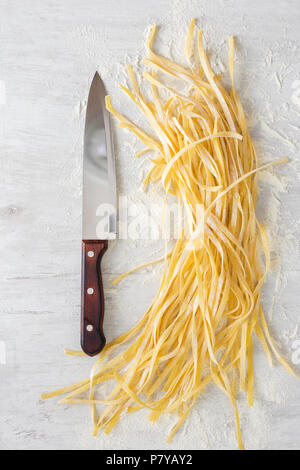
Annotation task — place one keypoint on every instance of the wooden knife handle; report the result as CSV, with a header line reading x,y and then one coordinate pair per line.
x,y
92,297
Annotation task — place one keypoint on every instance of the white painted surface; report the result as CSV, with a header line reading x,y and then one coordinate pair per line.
x,y
49,52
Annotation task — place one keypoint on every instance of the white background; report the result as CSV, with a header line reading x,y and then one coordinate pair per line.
x,y
49,52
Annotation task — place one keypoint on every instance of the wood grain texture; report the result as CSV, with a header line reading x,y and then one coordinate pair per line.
x,y
92,297
49,53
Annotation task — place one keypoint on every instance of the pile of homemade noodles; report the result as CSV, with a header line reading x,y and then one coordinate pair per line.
x,y
200,326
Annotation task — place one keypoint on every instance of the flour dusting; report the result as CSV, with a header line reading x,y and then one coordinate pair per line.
x,y
270,91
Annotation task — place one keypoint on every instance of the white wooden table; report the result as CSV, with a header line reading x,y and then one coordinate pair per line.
x,y
48,55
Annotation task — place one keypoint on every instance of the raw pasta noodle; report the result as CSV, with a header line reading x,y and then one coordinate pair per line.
x,y
200,326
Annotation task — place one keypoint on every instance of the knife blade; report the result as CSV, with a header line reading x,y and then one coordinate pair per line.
x,y
99,215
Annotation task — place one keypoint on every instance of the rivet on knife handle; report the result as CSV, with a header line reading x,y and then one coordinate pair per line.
x,y
92,302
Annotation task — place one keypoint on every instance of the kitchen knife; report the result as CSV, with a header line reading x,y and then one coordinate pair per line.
x,y
98,215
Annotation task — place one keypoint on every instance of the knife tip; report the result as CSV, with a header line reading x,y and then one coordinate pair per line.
x,y
96,76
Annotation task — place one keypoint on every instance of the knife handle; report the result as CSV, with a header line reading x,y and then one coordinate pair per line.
x,y
92,297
